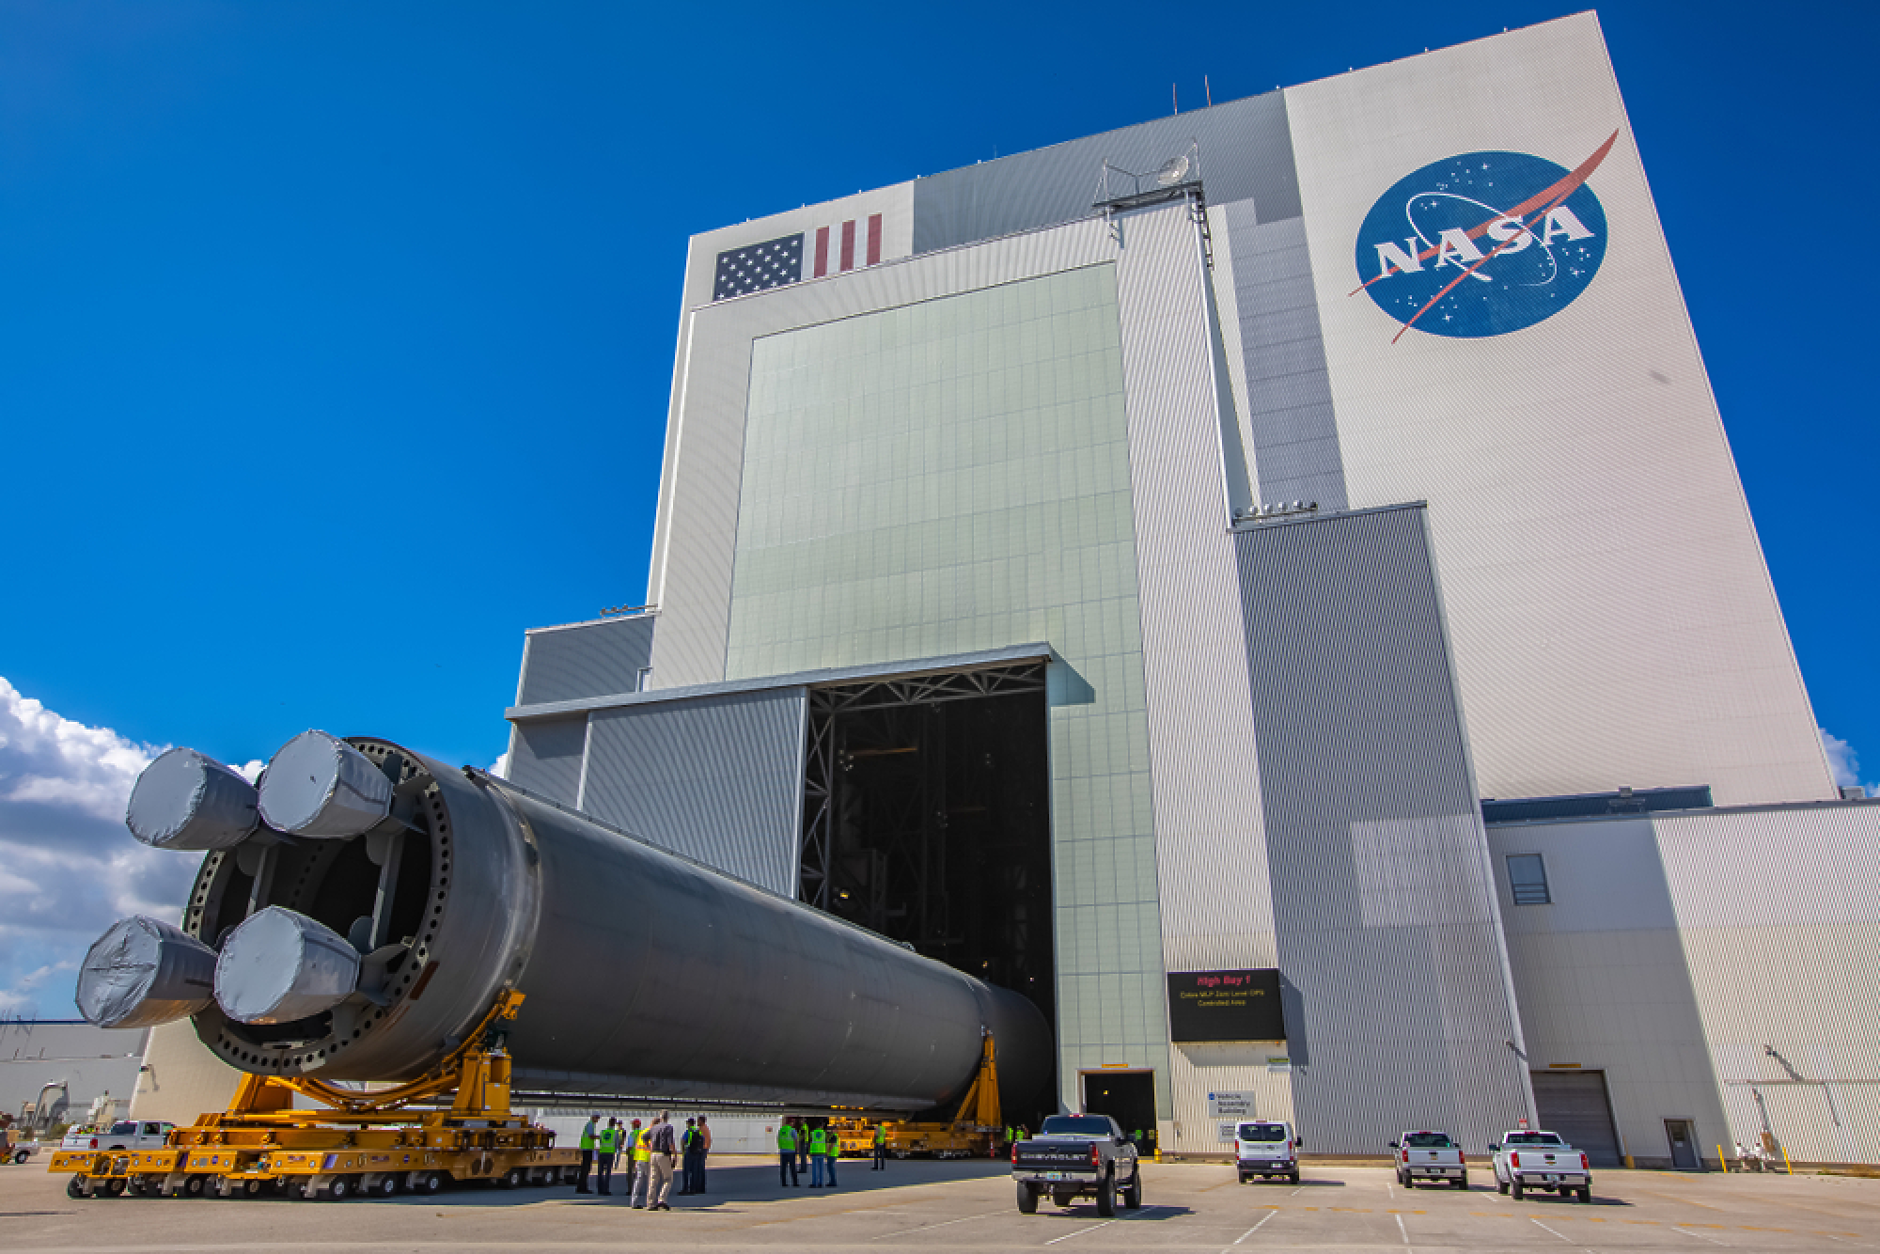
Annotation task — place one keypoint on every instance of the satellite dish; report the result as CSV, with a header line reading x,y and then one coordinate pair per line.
x,y
1173,171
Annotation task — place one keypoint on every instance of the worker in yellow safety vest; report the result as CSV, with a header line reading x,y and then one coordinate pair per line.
x,y
786,1154
587,1153
816,1139
642,1166
881,1147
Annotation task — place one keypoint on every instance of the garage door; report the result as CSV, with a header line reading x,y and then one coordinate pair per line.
x,y
1573,1103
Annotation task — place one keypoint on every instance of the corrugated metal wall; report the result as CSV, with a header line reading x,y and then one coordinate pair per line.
x,y
1602,979
718,779
1779,911
1246,153
701,526
545,756
1289,388
1210,865
1680,949
585,660
1399,1004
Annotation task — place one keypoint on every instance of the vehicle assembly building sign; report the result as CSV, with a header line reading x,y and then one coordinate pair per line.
x,y
1225,1006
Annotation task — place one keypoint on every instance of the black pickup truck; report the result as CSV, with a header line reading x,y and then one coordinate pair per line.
x,y
1077,1156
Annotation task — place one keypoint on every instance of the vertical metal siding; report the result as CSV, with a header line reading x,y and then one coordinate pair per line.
x,y
1246,153
718,779
1289,385
1779,911
588,660
545,757
1397,994
1210,863
702,523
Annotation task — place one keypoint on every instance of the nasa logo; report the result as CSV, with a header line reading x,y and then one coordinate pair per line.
x,y
1483,244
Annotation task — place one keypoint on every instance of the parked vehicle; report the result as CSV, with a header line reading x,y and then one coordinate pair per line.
x,y
1077,1156
1430,1156
1266,1149
125,1134
15,1147
1529,1160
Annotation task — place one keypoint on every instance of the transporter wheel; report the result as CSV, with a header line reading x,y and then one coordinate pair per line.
x,y
194,1186
116,1186
75,1187
428,1183
339,1190
386,1187
515,1178
1027,1198
1106,1197
294,1190
1132,1192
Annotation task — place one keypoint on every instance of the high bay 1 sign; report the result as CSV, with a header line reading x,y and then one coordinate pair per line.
x,y
1225,1006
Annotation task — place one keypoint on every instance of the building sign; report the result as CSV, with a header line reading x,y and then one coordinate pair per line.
x,y
1224,1006
1483,243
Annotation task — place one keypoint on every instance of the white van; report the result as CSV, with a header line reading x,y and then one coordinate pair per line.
x,y
1265,1148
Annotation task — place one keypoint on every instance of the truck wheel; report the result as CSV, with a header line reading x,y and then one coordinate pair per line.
x,y
1586,1194
21,1156
1027,1198
1132,1192
1514,1187
1106,1197
1244,1177
1460,1182
1501,1186
75,1187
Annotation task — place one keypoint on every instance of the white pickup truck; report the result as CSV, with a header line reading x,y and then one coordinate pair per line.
x,y
1528,1160
125,1134
1430,1156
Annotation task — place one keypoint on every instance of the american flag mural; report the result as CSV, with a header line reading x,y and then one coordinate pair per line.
x,y
849,245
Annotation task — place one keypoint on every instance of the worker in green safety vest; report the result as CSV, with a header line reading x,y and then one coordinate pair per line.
x,y
881,1147
786,1154
832,1150
606,1145
817,1135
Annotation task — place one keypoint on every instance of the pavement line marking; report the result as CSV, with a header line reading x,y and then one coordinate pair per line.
x,y
1249,1232
1842,1240
1296,1192
1700,1236
945,1224
1080,1232
1401,1230
1544,1228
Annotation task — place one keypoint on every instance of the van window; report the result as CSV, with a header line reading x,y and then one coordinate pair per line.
x,y
1263,1132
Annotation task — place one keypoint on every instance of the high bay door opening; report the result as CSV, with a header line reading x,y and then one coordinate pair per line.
x,y
926,818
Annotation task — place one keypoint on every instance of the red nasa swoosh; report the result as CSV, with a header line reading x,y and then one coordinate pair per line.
x,y
1545,200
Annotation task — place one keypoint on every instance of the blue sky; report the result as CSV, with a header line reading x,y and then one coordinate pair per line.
x,y
336,338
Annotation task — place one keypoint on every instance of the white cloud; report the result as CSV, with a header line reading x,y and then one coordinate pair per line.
x,y
501,769
68,868
1844,762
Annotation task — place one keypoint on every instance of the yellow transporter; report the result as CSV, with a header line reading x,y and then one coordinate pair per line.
x,y
973,1133
365,1142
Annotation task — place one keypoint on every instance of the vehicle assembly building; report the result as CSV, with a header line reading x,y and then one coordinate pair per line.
x,y
1121,571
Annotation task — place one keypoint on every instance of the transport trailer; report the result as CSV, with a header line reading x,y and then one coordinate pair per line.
x,y
364,1143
